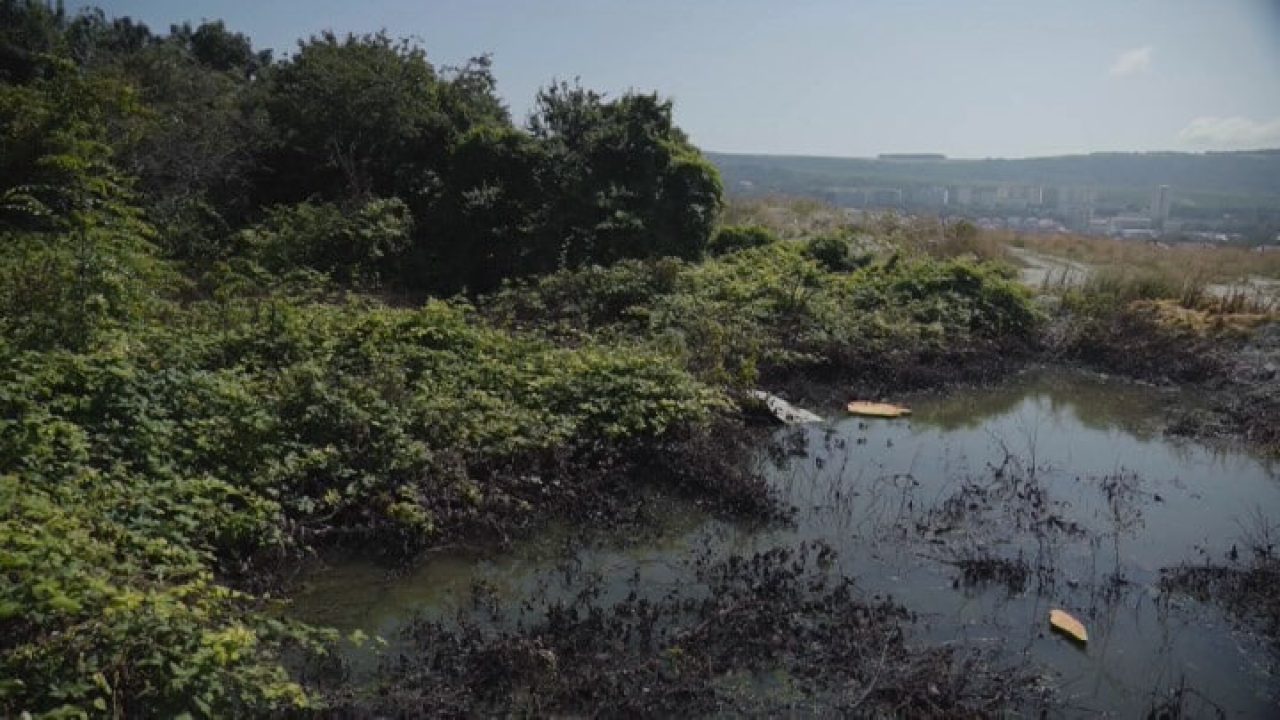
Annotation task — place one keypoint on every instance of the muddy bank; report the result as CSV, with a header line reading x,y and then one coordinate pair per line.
x,y
969,521
834,386
616,494
598,487
1232,355
1251,407
1245,579
1250,589
1245,402
774,632
1134,340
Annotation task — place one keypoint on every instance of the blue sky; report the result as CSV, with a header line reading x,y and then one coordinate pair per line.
x,y
823,77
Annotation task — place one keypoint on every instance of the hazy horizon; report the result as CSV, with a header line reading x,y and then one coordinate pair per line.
x,y
876,155
832,79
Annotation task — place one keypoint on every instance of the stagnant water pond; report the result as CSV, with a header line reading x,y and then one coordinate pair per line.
x,y
1066,475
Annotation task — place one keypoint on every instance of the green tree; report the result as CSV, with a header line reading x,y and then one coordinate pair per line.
x,y
93,40
625,182
194,146
489,214
75,252
215,47
353,117
30,32
367,116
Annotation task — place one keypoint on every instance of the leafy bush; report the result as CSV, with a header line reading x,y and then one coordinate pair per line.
x,y
100,616
740,237
835,253
775,309
136,471
594,297
354,245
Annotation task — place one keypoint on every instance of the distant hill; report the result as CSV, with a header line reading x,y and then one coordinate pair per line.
x,y
1227,180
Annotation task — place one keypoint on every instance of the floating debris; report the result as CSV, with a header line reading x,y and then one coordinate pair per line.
x,y
783,410
1064,623
875,409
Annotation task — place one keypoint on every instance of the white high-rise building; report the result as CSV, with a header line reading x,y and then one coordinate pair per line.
x,y
1161,200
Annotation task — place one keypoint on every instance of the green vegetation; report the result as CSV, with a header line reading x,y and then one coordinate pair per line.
x,y
774,310
251,308
733,238
222,343
212,136
139,469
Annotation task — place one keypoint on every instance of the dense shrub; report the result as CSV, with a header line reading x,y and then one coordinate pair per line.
x,y
354,245
740,237
835,252
103,615
591,298
774,308
135,471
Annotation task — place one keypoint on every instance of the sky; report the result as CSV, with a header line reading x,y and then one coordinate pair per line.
x,y
1007,78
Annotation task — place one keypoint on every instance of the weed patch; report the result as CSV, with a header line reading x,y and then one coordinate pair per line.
x,y
769,633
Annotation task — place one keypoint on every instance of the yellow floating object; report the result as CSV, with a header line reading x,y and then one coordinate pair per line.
x,y
873,409
1068,625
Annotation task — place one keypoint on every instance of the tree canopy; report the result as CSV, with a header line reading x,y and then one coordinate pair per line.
x,y
212,136
220,350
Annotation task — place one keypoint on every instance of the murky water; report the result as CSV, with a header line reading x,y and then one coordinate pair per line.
x,y
1064,475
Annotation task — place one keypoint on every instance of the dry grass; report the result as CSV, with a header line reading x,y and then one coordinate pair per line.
x,y
1210,279
1209,264
788,217
983,244
1185,289
793,218
1203,321
1216,280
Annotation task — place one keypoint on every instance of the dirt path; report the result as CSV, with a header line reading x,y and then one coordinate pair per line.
x,y
1040,270
1261,292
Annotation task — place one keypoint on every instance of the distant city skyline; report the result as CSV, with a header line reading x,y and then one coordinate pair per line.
x,y
822,77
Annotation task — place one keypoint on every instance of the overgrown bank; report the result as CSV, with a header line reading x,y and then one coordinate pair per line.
x,y
1155,330
223,345
140,471
202,377
884,321
169,461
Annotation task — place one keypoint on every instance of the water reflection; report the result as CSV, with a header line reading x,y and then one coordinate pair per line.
x,y
1092,400
983,511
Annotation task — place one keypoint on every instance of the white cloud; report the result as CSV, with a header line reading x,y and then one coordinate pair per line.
x,y
1132,62
1231,133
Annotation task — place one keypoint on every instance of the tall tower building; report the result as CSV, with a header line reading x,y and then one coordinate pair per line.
x,y
1161,199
